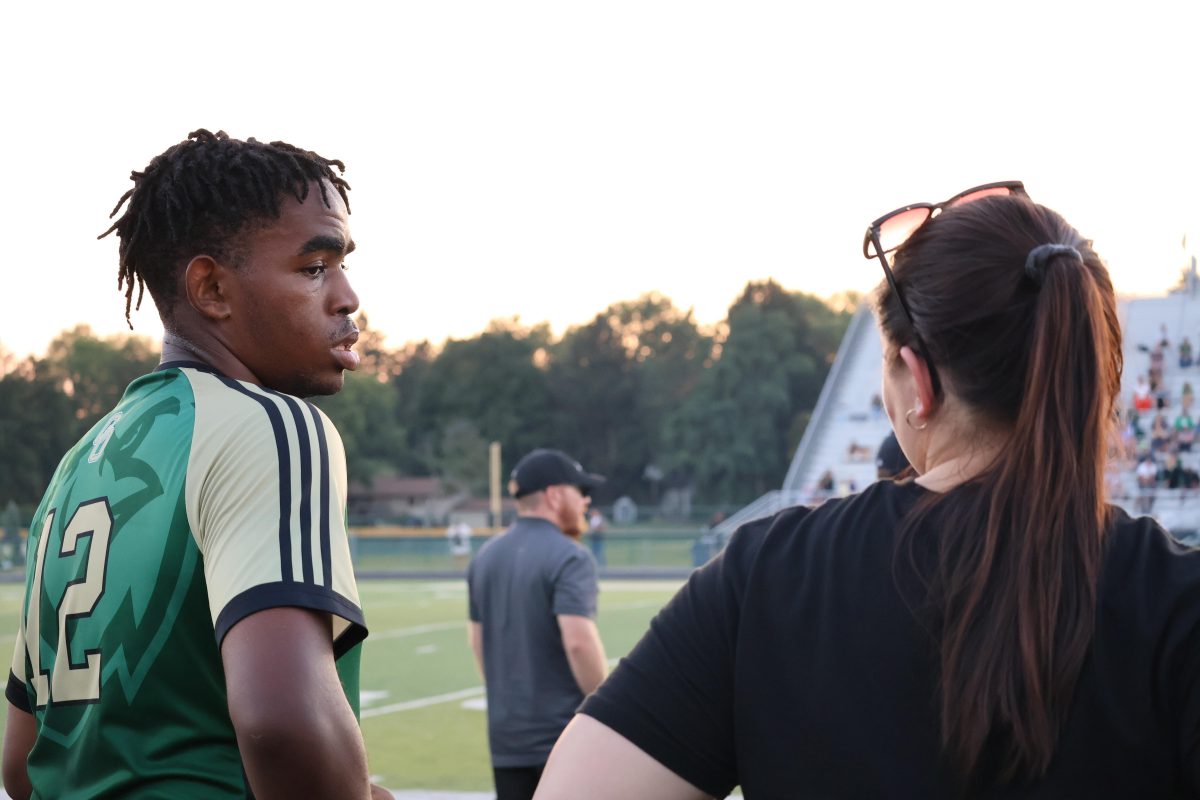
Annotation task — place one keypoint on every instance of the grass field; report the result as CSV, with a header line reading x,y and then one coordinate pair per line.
x,y
423,718
640,549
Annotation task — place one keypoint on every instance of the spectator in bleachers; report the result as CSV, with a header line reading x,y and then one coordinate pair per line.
x,y
1185,353
858,452
1156,367
1160,433
1185,432
992,628
1185,396
890,461
1147,481
1171,476
1163,341
1143,400
1143,449
827,484
1162,398
1135,425
1131,434
1191,479
877,406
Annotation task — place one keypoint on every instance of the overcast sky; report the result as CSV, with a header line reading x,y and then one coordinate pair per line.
x,y
543,160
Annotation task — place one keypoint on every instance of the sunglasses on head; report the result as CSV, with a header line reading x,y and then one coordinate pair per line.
x,y
893,229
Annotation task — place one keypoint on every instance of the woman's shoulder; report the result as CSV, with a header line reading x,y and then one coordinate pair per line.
x,y
872,513
1141,543
1148,577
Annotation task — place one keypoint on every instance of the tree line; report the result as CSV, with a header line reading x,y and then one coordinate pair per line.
x,y
641,393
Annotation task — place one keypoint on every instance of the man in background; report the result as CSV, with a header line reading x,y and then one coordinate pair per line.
x,y
890,461
532,593
458,535
598,530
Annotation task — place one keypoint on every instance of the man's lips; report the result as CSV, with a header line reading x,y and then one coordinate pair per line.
x,y
343,354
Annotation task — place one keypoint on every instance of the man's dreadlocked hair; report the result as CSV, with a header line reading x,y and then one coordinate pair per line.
x,y
198,196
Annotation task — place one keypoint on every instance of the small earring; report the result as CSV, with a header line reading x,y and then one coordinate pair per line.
x,y
908,418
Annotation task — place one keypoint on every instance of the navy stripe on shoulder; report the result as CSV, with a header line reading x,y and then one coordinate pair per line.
x,y
306,477
326,509
294,595
283,452
17,694
199,366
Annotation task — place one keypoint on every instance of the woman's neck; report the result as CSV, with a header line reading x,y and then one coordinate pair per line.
x,y
955,458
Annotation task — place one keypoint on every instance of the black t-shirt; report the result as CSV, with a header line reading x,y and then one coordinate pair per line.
x,y
791,665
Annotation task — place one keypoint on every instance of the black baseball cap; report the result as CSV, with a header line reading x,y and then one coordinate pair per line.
x,y
543,468
890,460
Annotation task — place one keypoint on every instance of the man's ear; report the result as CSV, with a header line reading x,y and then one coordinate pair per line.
x,y
206,283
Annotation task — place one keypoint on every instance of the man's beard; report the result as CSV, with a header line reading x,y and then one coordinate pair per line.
x,y
573,526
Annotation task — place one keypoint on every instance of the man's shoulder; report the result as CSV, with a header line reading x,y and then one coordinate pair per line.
x,y
555,547
234,397
494,548
149,426
245,414
532,540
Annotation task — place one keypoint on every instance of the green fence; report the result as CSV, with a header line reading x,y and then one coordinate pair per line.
x,y
626,550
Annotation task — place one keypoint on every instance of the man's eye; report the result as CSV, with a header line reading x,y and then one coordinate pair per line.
x,y
315,270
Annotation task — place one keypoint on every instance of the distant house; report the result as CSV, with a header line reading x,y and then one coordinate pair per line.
x,y
477,512
393,499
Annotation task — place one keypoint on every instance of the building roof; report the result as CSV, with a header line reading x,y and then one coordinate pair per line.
x,y
386,486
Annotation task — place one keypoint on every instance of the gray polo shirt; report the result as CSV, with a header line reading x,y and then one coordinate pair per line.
x,y
517,584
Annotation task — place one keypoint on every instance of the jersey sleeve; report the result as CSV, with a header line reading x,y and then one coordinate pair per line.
x,y
575,586
17,690
672,696
266,501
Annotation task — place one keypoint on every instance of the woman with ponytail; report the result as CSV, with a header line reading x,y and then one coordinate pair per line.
x,y
992,628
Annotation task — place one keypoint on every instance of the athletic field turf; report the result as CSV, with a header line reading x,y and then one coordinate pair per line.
x,y
423,716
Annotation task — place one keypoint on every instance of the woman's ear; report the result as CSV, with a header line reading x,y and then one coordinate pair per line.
x,y
918,367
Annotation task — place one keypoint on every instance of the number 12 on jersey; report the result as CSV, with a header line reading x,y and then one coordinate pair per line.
x,y
67,682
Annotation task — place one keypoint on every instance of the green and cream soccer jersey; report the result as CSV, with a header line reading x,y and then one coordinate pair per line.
x,y
196,502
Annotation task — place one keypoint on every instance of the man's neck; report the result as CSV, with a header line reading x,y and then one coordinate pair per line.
x,y
542,515
177,347
546,516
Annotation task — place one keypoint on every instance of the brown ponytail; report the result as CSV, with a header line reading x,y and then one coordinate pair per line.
x,y
1019,549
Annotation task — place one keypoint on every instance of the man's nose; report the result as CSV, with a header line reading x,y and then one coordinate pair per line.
x,y
345,299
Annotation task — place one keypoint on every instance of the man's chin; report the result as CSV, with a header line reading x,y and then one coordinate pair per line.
x,y
327,387
315,386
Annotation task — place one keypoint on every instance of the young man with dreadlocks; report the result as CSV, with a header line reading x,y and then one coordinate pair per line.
x,y
191,621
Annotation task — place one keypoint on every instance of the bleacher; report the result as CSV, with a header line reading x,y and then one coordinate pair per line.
x,y
844,415
1142,321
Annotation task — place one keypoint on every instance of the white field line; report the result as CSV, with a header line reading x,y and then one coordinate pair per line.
x,y
423,702
433,627
641,586
437,699
462,694
417,630
630,606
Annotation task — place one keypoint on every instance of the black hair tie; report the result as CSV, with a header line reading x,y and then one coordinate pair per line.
x,y
1040,256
